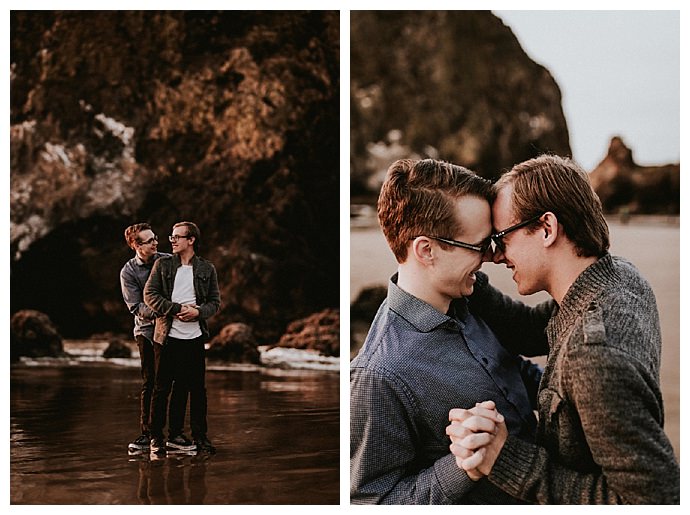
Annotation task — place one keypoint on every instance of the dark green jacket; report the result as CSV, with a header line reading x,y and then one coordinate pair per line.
x,y
159,288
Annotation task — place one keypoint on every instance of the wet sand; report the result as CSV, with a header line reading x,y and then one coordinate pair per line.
x,y
277,434
653,246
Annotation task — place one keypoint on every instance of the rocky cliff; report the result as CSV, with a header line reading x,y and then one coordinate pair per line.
x,y
228,119
628,188
454,85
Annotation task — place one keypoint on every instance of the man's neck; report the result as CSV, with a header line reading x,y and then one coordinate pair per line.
x,y
145,259
186,257
419,286
566,273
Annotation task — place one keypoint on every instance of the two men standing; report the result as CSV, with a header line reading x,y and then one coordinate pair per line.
x,y
180,293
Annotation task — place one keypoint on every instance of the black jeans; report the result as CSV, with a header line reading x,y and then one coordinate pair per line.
x,y
182,362
148,381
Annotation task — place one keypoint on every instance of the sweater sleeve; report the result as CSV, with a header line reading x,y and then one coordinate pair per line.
x,y
622,423
382,450
520,328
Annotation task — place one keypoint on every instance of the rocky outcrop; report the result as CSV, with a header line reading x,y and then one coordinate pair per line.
x,y
452,85
235,343
117,349
33,334
625,187
229,119
318,332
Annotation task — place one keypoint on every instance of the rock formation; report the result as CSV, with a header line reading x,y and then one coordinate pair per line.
x,y
229,119
236,343
33,334
625,187
319,332
453,85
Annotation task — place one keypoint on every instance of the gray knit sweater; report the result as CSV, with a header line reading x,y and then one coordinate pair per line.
x,y
600,438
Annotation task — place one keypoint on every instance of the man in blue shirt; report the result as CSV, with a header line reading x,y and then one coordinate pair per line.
x,y
133,276
426,352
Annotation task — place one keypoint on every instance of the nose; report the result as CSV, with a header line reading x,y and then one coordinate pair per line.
x,y
488,255
498,255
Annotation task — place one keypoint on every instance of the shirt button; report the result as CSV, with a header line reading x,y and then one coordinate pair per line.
x,y
486,361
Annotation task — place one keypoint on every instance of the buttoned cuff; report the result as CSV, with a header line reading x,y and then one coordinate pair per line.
x,y
454,482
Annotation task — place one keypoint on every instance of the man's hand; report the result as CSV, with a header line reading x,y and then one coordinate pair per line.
x,y
477,437
188,313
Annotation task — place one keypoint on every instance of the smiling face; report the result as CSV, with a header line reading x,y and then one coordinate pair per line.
x,y
523,253
454,267
182,243
146,244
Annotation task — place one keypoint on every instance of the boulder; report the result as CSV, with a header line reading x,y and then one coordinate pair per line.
x,y
117,349
319,331
235,343
33,334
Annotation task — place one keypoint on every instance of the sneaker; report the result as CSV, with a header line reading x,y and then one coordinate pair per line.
x,y
204,444
180,443
157,446
142,443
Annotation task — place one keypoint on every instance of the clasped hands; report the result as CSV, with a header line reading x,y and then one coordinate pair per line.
x,y
477,437
188,313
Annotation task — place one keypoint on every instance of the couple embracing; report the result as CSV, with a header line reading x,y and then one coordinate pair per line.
x,y
444,406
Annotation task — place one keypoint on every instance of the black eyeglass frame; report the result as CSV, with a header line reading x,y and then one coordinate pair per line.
x,y
498,237
149,241
174,237
455,243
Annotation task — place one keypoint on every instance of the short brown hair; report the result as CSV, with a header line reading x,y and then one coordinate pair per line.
x,y
415,200
132,233
560,185
192,230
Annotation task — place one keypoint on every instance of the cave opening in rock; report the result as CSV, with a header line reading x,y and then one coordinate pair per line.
x,y
72,275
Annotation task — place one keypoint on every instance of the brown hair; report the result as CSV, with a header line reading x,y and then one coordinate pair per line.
x,y
558,184
192,230
416,196
132,233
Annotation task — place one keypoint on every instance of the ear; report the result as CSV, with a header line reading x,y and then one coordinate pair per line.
x,y
422,251
550,229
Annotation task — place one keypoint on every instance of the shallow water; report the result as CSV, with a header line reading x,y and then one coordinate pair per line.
x,y
276,432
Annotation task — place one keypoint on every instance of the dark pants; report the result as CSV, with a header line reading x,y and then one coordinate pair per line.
x,y
182,362
148,381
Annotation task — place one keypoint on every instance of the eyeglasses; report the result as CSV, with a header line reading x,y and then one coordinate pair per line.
x,y
176,237
150,240
481,248
498,237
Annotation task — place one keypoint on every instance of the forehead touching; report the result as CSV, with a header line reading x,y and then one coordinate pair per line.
x,y
502,207
473,215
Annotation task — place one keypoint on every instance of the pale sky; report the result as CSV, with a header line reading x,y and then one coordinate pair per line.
x,y
619,74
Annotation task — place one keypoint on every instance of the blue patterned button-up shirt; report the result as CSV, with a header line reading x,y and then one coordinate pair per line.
x,y
417,364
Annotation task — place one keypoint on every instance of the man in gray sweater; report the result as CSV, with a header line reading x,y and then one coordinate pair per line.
x,y
600,438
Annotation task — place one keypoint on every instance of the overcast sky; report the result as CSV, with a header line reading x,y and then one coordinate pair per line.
x,y
619,74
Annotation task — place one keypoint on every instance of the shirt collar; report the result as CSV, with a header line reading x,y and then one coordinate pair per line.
x,y
420,314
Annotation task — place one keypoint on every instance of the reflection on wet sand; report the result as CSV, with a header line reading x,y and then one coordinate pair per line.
x,y
277,434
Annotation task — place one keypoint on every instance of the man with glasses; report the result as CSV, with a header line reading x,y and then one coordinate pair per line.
x,y
600,438
183,291
133,276
426,352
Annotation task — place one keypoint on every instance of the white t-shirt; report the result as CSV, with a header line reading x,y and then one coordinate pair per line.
x,y
183,292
